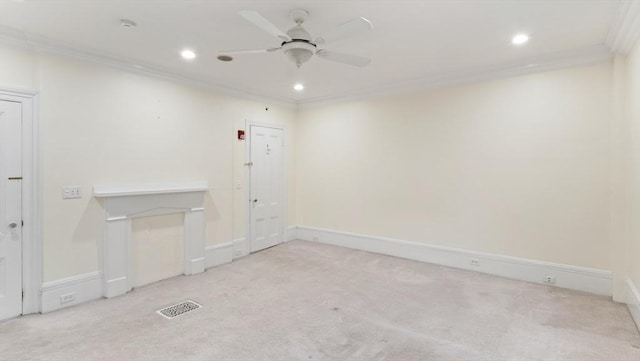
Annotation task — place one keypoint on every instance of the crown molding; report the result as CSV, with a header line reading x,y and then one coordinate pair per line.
x,y
44,45
625,28
578,57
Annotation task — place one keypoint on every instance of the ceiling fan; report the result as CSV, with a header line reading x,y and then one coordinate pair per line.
x,y
298,45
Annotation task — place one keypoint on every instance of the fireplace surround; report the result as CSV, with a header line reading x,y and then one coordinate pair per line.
x,y
123,203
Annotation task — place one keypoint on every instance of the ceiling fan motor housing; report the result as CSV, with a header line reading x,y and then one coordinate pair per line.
x,y
299,33
300,48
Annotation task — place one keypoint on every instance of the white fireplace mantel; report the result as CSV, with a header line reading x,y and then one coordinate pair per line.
x,y
123,203
106,191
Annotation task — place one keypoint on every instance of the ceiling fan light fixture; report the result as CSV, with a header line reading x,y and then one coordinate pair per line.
x,y
299,87
299,52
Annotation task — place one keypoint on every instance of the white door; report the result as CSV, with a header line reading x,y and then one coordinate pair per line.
x,y
266,187
10,209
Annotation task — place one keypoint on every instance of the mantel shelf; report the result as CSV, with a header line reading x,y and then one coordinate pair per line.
x,y
105,191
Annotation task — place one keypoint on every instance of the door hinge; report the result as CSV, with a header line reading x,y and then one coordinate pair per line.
x,y
23,295
22,223
249,164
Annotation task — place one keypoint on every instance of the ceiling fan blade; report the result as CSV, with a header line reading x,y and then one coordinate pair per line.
x,y
346,30
355,60
260,21
247,51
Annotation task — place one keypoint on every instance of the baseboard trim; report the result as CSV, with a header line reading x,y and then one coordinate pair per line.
x,y
218,254
196,266
222,253
116,287
84,288
292,233
89,286
634,302
240,247
572,277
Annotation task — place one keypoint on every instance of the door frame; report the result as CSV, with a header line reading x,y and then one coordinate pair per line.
x,y
247,178
31,196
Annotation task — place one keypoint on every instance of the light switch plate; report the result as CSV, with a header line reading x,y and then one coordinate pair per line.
x,y
71,192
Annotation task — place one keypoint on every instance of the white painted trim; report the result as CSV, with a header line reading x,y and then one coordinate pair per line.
x,y
240,247
218,254
85,288
20,39
120,210
634,302
222,253
578,57
625,28
247,182
31,196
18,92
89,286
571,277
247,157
143,189
292,233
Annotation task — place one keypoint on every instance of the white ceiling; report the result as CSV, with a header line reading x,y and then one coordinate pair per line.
x,y
411,40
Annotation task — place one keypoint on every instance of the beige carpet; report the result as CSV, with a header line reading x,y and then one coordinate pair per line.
x,y
307,301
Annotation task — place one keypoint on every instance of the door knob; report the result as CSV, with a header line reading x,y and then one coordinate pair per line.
x,y
13,225
255,200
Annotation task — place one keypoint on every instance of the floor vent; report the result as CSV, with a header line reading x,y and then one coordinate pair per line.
x,y
178,309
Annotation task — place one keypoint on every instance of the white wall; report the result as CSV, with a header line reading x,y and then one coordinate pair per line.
x,y
626,175
103,125
517,166
620,177
633,109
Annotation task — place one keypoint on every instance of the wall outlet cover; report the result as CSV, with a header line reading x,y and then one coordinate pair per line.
x,y
66,298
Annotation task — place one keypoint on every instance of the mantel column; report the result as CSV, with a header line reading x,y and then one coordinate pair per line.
x,y
116,256
194,226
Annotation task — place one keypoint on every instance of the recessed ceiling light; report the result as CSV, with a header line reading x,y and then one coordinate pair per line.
x,y
298,87
188,54
520,39
126,23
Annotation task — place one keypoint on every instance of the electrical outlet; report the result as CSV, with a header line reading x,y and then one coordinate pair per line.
x,y
474,262
69,297
71,192
549,279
